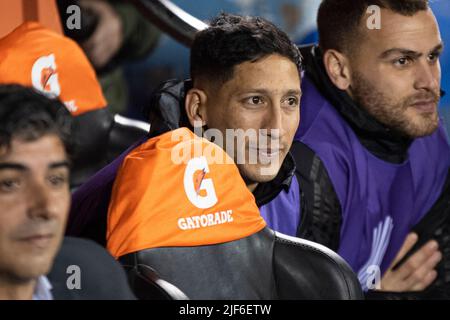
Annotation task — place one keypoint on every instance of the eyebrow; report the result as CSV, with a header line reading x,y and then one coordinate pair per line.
x,y
60,164
264,91
12,166
408,52
294,92
21,167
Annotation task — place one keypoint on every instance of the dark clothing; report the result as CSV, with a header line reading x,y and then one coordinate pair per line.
x,y
101,277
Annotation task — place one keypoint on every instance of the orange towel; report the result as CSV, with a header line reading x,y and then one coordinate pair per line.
x,y
157,202
34,56
15,12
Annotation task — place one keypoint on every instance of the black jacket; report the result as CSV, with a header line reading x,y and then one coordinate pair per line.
x,y
101,277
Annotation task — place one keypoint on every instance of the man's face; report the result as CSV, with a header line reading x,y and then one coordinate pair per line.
x,y
34,203
395,73
261,95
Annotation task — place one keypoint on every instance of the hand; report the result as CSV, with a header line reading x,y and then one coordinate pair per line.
x,y
417,272
107,38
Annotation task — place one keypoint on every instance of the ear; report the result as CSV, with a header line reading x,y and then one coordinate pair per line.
x,y
338,69
195,105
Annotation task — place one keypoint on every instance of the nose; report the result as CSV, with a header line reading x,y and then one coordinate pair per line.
x,y
38,201
428,77
275,122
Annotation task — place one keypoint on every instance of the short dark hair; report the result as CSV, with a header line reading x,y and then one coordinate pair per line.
x,y
231,40
338,21
29,115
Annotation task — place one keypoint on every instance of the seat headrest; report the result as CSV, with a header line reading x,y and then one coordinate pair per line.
x,y
178,190
166,109
55,65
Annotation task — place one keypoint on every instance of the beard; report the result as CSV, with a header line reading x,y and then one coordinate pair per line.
x,y
394,113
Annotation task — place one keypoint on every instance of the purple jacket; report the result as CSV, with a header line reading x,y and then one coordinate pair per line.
x,y
380,201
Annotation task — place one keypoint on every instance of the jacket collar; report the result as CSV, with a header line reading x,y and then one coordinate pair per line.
x,y
267,191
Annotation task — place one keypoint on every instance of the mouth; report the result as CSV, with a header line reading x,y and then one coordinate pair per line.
x,y
40,241
266,155
425,106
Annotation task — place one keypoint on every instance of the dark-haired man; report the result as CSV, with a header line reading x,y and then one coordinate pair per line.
x,y
245,96
34,192
247,84
34,202
370,124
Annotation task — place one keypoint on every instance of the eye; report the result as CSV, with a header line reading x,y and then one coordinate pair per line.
x,y
58,180
403,61
255,100
291,102
9,185
433,57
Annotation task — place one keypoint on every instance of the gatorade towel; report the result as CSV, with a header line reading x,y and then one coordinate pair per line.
x,y
53,64
178,190
14,13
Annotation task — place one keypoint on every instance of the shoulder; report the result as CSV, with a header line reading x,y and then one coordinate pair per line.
x,y
84,270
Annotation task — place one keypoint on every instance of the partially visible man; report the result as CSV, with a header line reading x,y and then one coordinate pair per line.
x,y
35,198
34,191
370,126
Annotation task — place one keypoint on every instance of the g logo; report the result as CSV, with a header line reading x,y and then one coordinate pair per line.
x,y
194,184
44,77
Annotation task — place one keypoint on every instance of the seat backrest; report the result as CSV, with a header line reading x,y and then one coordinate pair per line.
x,y
83,270
150,286
265,265
99,138
307,270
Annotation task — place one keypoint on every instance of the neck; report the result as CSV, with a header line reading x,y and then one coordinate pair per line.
x,y
15,289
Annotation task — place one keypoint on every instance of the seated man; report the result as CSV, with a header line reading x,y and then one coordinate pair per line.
x,y
32,55
370,124
202,231
34,202
176,202
246,83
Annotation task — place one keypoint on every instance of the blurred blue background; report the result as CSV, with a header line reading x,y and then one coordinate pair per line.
x,y
296,17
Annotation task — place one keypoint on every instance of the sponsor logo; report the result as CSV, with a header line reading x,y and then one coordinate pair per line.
x,y
205,220
199,191
44,76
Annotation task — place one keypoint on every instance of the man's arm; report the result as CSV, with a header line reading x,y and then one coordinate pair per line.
x,y
425,256
417,272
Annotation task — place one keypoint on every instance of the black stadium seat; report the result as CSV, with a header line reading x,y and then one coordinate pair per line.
x,y
99,137
265,265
